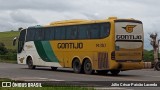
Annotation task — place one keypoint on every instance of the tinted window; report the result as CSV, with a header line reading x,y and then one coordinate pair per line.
x,y
22,35
104,30
68,32
21,40
87,31
30,34
71,32
95,31
49,33
39,34
59,33
83,32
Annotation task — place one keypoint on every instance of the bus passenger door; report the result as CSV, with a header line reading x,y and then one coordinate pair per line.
x,y
20,52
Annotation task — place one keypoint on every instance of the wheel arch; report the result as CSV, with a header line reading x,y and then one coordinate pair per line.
x,y
29,56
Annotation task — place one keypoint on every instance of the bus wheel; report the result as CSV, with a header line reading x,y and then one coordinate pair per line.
x,y
54,68
157,66
114,72
102,72
30,63
76,66
88,67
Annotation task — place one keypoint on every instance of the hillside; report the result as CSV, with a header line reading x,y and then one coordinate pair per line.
x,y
7,38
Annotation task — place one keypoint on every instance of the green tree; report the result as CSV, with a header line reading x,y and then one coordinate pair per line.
x,y
148,56
3,49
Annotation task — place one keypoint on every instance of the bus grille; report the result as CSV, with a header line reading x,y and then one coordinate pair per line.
x,y
102,60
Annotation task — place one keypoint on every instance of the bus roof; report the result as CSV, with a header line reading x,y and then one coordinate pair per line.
x,y
71,22
82,21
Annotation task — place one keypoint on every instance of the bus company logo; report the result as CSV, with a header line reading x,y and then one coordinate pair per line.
x,y
21,60
129,28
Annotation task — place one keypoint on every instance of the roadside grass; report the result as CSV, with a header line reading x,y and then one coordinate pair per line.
x,y
42,88
5,79
7,38
8,61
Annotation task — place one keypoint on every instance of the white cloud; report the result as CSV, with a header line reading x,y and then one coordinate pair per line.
x,y
20,17
17,13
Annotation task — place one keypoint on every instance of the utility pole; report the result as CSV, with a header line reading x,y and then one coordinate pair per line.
x,y
155,45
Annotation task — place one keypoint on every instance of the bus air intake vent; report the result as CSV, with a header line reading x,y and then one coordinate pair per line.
x,y
102,60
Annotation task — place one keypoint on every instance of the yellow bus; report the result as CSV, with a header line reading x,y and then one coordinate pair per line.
x,y
87,46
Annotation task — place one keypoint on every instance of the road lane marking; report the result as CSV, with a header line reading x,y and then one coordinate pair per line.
x,y
34,79
151,76
55,80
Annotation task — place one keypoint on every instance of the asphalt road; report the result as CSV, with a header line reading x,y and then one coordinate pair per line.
x,y
21,72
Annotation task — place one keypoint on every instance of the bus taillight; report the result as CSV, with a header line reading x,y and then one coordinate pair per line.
x,y
113,55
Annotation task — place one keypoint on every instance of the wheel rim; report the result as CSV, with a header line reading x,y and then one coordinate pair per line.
x,y
30,63
158,66
77,66
88,66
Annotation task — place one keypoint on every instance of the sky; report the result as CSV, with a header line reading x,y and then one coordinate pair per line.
x,y
24,13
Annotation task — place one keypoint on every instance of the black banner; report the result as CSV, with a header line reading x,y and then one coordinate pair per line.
x,y
80,83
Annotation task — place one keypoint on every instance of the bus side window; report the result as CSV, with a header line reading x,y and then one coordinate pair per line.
x,y
68,32
30,34
49,33
36,34
59,33
52,33
95,31
63,35
83,32
74,32
104,30
39,34
71,32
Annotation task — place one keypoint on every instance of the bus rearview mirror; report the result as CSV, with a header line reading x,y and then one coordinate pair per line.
x,y
14,41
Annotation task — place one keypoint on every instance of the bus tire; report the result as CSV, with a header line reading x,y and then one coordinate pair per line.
x,y
115,72
88,67
157,66
76,65
54,68
30,63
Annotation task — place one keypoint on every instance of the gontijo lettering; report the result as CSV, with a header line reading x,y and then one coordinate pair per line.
x,y
70,45
128,37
